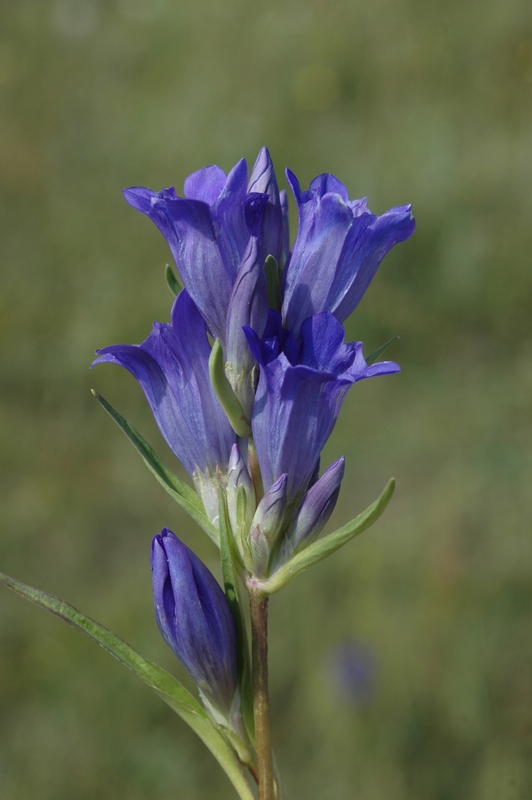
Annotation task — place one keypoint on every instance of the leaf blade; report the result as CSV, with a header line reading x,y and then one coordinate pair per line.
x,y
164,684
380,350
182,494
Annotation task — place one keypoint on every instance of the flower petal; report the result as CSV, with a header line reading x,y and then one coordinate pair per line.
x,y
171,366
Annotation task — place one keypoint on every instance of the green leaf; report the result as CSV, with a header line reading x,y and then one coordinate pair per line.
x,y
167,687
224,392
171,279
380,350
328,545
177,489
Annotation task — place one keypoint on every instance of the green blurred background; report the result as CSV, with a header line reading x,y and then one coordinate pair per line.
x,y
406,101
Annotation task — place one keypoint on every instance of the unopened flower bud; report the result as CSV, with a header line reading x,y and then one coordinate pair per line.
x,y
266,526
241,502
195,620
314,512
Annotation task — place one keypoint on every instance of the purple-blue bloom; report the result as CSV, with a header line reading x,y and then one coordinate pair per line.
x,y
195,620
280,343
301,388
338,249
209,229
171,366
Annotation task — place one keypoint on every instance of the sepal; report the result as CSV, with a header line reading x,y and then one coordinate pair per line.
x,y
171,280
273,282
224,392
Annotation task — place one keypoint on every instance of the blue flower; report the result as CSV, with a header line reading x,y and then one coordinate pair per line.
x,y
171,366
338,249
301,389
195,620
208,230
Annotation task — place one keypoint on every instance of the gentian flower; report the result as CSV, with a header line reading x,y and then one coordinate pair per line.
x,y
338,249
301,388
196,621
171,366
208,230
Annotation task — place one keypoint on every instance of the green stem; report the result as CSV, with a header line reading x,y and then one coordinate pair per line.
x,y
259,634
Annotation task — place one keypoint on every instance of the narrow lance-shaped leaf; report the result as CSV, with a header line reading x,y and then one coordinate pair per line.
x,y
380,350
165,685
177,489
328,545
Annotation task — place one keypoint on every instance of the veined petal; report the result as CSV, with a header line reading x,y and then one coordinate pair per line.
x,y
367,251
324,224
228,214
298,401
293,416
206,184
171,366
283,198
338,249
263,180
188,227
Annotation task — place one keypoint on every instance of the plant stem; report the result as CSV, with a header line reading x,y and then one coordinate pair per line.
x,y
261,703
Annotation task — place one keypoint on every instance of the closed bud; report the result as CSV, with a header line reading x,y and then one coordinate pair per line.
x,y
241,502
314,512
265,528
196,622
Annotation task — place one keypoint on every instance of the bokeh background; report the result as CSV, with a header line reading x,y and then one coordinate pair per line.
x,y
402,667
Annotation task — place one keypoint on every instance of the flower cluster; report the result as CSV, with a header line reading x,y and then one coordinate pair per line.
x,y
252,432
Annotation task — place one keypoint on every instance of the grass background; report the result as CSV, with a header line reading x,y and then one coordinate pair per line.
x,y
406,101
